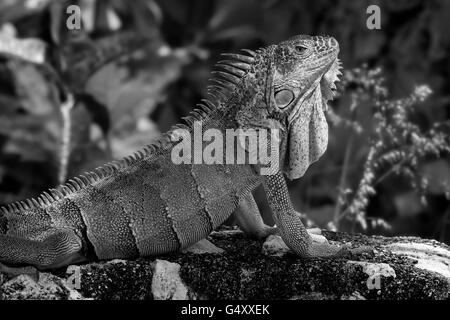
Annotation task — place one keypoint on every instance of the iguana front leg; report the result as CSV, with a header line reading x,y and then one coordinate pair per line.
x,y
249,219
290,227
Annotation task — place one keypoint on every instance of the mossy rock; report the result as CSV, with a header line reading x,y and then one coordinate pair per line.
x,y
398,268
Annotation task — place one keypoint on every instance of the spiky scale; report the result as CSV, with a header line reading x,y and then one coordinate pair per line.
x,y
106,170
29,203
219,89
35,203
222,83
216,95
227,76
232,70
48,197
79,181
64,190
85,179
128,160
236,64
203,107
93,176
213,95
198,114
20,205
250,52
55,195
69,185
189,121
239,57
209,103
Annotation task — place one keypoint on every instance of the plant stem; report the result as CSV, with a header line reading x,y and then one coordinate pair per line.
x,y
345,166
342,181
66,108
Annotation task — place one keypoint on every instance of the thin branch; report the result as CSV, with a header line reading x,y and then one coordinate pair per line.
x,y
66,108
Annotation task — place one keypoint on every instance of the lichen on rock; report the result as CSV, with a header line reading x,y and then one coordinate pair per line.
x,y
400,268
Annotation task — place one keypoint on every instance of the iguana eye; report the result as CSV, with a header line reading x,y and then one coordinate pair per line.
x,y
300,49
283,98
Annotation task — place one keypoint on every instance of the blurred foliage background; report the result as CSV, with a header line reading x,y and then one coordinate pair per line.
x,y
72,100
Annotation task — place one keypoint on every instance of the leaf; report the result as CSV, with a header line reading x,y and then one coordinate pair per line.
x,y
32,133
14,10
98,111
130,98
437,172
31,50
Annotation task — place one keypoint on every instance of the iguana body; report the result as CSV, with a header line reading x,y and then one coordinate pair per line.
x,y
147,205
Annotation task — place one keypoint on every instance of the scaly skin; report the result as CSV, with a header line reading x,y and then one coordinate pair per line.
x,y
147,205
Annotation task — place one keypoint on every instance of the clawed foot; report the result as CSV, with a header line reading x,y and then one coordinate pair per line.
x,y
326,249
316,235
265,232
261,232
322,248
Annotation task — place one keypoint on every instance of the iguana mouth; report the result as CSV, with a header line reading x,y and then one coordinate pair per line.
x,y
327,83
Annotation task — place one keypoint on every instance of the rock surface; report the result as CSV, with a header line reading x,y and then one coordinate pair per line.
x,y
399,268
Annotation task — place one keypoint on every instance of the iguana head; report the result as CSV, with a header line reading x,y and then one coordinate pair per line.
x,y
305,69
293,81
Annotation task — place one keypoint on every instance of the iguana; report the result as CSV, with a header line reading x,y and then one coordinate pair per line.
x,y
146,205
